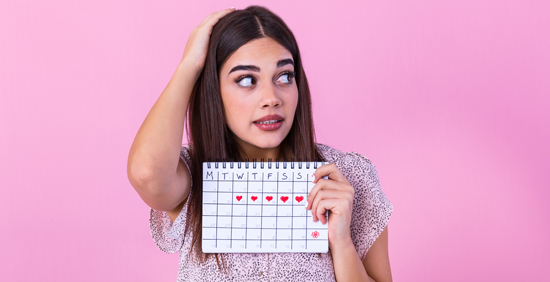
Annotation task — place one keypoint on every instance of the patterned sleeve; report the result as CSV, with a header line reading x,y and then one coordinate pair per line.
x,y
168,236
371,208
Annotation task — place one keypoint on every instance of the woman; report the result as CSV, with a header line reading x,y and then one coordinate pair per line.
x,y
242,79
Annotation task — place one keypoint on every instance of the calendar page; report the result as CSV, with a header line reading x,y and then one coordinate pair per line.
x,y
259,207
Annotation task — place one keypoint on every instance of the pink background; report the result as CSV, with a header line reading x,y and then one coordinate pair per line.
x,y
449,99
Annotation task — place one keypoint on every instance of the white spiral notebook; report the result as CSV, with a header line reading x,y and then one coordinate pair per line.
x,y
259,207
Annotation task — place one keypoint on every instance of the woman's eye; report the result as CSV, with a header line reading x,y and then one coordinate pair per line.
x,y
245,82
286,78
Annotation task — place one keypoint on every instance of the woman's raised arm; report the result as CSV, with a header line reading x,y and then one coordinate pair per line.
x,y
155,168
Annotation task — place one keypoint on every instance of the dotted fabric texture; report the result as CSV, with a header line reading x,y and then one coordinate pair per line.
x,y
371,213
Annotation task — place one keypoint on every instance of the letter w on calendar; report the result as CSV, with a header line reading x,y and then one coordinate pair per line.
x,y
259,207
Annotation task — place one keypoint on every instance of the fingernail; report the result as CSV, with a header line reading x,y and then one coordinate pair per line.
x,y
232,8
307,204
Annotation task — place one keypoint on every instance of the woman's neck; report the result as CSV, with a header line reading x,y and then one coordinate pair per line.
x,y
251,152
261,153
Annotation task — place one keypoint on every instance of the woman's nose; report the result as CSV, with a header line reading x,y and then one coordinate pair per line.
x,y
270,97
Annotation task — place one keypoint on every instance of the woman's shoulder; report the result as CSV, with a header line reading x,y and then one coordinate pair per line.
x,y
357,168
185,147
333,155
185,155
185,152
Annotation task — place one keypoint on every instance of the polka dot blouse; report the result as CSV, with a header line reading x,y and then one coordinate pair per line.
x,y
371,213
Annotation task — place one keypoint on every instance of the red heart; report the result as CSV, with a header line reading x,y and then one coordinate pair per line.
x,y
284,199
239,198
269,198
254,198
299,198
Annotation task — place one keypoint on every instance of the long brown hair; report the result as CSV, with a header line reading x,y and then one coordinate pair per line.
x,y
208,134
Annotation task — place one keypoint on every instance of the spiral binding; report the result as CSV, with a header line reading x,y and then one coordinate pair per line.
x,y
224,163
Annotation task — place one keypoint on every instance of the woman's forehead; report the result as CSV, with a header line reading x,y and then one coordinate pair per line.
x,y
264,52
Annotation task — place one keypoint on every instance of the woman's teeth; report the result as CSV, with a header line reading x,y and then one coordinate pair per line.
x,y
267,122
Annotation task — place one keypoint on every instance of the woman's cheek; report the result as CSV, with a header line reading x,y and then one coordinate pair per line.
x,y
240,111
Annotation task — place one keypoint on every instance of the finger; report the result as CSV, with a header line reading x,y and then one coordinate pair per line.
x,y
331,171
323,184
323,195
224,12
213,18
324,206
220,14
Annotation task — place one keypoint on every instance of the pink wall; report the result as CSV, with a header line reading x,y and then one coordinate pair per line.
x,y
449,99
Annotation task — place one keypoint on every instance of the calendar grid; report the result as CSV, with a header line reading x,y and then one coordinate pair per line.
x,y
217,201
277,211
232,206
234,221
292,219
262,212
307,189
246,233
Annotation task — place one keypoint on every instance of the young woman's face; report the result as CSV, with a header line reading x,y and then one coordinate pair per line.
x,y
259,94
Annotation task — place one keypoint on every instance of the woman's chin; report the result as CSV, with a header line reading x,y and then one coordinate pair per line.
x,y
266,143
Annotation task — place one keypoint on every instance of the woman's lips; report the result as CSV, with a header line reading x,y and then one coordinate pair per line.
x,y
270,117
269,122
269,125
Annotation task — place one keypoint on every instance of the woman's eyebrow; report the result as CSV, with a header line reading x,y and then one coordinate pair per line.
x,y
257,69
285,62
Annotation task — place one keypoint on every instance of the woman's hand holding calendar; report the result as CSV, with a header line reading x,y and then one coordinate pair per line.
x,y
334,194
